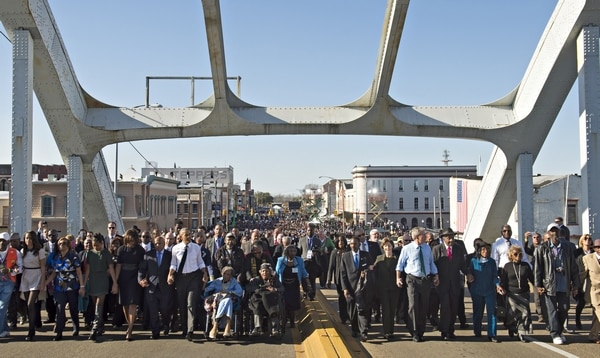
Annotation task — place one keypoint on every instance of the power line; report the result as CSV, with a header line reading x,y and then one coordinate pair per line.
x,y
141,155
6,37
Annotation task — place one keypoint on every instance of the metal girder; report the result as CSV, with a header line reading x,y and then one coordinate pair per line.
x,y
22,129
589,125
532,106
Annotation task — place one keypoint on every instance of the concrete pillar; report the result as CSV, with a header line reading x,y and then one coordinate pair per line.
x,y
524,171
22,123
74,195
588,66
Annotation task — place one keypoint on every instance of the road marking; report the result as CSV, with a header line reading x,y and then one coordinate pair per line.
x,y
552,348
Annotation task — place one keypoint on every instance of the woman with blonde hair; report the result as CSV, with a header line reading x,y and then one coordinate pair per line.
x,y
515,279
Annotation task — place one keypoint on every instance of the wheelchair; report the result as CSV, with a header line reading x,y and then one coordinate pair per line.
x,y
270,322
235,323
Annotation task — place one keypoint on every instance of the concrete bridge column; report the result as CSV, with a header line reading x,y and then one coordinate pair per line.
x,y
22,123
588,65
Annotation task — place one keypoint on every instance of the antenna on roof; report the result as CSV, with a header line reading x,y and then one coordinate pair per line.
x,y
446,156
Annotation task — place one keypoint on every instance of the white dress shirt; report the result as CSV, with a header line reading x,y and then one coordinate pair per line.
x,y
193,261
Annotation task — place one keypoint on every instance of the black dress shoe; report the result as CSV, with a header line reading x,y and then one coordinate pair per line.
x,y
93,336
29,338
417,339
363,337
166,332
189,336
57,338
75,333
155,336
49,321
464,325
451,335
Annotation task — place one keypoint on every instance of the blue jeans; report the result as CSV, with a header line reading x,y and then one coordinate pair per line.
x,y
558,309
6,290
489,303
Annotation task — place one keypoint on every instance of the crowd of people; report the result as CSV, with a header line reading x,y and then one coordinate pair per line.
x,y
250,280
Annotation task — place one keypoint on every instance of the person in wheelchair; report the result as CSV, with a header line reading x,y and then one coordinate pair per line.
x,y
221,295
265,300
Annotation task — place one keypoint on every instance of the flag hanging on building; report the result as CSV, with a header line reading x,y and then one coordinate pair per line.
x,y
462,205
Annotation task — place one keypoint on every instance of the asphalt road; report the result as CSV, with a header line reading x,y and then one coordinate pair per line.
x,y
466,345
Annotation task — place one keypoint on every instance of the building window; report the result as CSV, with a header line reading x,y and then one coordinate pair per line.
x,y
401,204
442,184
138,205
401,185
416,185
426,204
384,185
572,215
442,203
5,212
47,205
194,208
178,206
426,185
186,208
4,185
416,204
429,223
171,205
120,204
414,222
403,223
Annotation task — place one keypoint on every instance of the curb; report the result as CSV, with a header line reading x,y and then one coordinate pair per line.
x,y
321,334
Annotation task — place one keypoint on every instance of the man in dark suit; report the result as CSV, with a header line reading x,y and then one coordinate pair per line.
x,y
213,244
450,260
159,295
310,250
356,272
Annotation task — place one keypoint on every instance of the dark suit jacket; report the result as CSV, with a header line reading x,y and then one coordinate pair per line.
x,y
156,276
350,275
449,271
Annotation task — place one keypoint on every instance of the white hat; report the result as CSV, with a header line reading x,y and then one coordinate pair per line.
x,y
552,226
5,236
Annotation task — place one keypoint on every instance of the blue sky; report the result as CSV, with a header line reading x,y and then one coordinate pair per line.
x,y
300,53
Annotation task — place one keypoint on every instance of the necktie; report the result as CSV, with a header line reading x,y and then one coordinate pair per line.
x,y
421,262
450,253
159,257
182,263
356,260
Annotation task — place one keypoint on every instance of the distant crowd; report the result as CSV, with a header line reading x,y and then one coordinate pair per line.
x,y
251,280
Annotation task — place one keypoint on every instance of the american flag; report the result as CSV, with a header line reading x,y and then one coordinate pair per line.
x,y
462,206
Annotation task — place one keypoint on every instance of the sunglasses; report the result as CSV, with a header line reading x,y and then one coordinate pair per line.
x,y
111,227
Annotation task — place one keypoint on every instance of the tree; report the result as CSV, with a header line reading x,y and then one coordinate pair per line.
x,y
263,199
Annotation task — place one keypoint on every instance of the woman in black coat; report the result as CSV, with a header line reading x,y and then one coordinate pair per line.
x,y
333,273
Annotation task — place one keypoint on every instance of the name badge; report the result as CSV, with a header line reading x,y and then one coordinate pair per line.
x,y
294,270
309,254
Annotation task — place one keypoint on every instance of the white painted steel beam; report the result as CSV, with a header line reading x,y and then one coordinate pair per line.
x,y
588,65
531,107
22,129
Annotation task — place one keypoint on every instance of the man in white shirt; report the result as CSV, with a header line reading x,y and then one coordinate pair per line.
x,y
501,246
187,272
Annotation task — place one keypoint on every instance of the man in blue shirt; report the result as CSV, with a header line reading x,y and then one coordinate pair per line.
x,y
417,271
